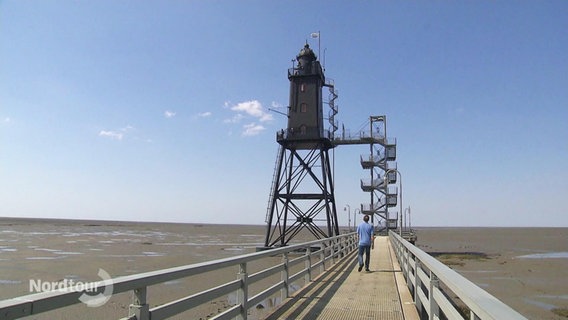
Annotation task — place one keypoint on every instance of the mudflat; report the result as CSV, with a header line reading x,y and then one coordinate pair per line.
x,y
36,254
526,268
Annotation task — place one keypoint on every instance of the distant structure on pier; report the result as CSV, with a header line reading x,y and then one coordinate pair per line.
x,y
302,192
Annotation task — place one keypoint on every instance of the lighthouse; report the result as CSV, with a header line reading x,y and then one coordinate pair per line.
x,y
302,194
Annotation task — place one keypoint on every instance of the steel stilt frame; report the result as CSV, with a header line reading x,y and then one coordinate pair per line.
x,y
294,203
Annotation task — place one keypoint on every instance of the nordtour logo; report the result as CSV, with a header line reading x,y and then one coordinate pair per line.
x,y
90,297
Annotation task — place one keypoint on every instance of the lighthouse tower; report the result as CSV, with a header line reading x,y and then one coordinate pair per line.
x,y
305,116
302,196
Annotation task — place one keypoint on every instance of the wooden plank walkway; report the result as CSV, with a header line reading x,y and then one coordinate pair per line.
x,y
344,293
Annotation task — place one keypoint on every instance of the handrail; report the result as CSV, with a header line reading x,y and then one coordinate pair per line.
x,y
425,276
330,249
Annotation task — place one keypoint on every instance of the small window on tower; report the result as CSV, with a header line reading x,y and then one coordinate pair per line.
x,y
304,107
303,129
302,87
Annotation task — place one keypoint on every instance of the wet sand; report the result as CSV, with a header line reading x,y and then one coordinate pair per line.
x,y
526,268
65,250
54,250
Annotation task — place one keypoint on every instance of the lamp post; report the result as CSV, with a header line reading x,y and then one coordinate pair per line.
x,y
355,219
348,215
386,187
406,218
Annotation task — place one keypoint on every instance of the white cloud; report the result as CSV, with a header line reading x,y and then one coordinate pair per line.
x,y
7,119
247,110
237,118
169,114
204,114
253,108
114,135
276,105
252,129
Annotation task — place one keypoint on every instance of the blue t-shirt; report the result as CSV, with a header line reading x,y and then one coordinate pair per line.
x,y
365,231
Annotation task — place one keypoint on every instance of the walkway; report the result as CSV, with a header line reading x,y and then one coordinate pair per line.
x,y
344,293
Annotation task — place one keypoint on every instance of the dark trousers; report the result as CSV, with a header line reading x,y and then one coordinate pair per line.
x,y
367,251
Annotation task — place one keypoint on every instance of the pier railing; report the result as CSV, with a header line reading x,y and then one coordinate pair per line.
x,y
433,284
315,255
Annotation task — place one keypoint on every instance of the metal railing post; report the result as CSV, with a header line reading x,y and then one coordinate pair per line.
x,y
242,292
473,316
332,244
434,308
308,265
409,261
139,308
353,243
285,276
322,257
404,263
417,286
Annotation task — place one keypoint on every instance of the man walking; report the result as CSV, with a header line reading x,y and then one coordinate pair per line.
x,y
366,235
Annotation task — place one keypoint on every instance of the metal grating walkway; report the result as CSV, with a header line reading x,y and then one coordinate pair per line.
x,y
344,293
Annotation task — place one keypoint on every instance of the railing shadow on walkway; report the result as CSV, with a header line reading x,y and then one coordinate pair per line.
x,y
328,284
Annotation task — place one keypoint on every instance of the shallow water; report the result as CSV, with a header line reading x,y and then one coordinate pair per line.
x,y
548,255
540,304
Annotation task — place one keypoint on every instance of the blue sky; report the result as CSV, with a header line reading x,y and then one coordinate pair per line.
x,y
158,110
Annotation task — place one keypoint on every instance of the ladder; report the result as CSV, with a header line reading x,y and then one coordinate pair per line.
x,y
274,183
